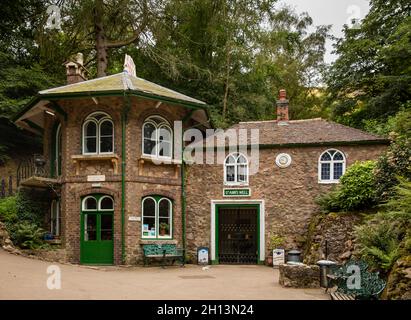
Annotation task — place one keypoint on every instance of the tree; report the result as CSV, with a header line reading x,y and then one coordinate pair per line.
x,y
371,78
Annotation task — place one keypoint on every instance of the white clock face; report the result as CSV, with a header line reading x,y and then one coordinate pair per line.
x,y
283,160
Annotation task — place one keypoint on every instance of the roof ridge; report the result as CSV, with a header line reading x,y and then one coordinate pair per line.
x,y
81,82
291,121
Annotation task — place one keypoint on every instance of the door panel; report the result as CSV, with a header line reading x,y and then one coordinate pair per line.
x,y
238,235
96,238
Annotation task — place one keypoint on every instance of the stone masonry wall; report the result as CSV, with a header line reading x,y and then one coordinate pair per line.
x,y
288,193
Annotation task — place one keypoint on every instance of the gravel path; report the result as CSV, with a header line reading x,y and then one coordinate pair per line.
x,y
25,278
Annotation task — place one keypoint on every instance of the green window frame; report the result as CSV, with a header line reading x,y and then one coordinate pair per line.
x,y
156,211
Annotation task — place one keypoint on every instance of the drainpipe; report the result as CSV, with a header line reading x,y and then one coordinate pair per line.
x,y
126,108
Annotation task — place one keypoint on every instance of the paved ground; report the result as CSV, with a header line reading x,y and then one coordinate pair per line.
x,y
24,278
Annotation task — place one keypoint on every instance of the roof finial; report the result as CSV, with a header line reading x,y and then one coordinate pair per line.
x,y
129,66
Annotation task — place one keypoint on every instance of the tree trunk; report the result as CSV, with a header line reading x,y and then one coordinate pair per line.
x,y
100,37
227,82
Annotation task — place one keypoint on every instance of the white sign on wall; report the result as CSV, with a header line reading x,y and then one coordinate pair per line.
x,y
278,257
96,178
134,218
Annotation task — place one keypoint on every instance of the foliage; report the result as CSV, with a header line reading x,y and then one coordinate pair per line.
x,y
371,78
387,235
164,226
8,209
27,235
395,162
276,241
356,189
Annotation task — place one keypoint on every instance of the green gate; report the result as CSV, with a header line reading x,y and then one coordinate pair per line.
x,y
96,241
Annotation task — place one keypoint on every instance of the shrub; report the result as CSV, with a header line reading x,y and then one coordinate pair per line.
x,y
28,235
395,162
8,209
356,189
387,235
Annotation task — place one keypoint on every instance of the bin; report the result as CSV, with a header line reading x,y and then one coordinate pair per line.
x,y
325,267
293,256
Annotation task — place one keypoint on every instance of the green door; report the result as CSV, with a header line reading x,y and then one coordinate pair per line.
x,y
97,229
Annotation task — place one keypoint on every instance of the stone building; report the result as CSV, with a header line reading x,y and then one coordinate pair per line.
x,y
112,166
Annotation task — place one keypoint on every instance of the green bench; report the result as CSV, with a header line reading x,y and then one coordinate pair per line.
x,y
164,253
371,285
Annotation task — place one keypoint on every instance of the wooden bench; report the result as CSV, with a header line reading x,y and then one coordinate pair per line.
x,y
164,253
371,286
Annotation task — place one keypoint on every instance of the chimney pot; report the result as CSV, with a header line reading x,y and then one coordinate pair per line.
x,y
282,107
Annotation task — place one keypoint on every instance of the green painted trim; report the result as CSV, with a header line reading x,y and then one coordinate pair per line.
x,y
233,205
34,126
124,117
56,107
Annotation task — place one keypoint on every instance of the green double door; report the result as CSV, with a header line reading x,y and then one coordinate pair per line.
x,y
96,241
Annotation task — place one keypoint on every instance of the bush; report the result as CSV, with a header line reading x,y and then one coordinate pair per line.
x,y
28,235
356,189
8,209
387,235
396,162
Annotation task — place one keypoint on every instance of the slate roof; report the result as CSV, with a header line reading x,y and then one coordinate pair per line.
x,y
120,82
300,132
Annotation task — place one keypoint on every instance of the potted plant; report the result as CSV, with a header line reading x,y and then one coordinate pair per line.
x,y
164,227
276,242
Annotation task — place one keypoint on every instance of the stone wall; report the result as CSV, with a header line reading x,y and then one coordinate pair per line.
x,y
288,193
331,234
299,276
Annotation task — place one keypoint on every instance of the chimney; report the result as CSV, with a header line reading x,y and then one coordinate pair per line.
x,y
282,107
75,71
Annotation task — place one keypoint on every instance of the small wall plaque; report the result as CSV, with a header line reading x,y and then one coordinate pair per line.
x,y
283,160
96,178
134,218
244,192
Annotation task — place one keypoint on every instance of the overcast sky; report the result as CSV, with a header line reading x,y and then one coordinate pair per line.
x,y
334,12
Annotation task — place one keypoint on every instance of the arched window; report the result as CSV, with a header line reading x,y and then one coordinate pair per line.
x,y
106,203
331,166
236,169
98,134
89,204
157,215
157,138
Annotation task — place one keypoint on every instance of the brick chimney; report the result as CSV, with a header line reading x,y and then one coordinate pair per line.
x,y
282,107
75,70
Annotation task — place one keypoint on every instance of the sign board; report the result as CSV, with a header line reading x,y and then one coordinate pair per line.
x,y
129,65
278,257
202,255
246,192
134,218
96,178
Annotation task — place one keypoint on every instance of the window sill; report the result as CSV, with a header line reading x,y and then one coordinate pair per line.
x,y
112,157
158,241
160,160
329,181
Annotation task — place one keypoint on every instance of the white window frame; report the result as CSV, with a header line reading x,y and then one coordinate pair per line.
x,y
161,123
91,118
157,218
99,204
236,156
83,204
331,162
